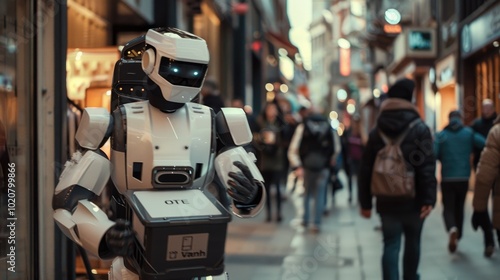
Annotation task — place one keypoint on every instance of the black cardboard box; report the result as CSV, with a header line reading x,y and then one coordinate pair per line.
x,y
182,233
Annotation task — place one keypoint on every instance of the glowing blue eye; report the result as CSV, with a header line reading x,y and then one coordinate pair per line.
x,y
175,70
195,73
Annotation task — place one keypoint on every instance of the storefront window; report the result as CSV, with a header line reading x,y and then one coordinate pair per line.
x,y
17,145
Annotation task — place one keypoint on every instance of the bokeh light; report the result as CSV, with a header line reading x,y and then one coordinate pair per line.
x,y
284,88
341,95
351,109
334,115
269,87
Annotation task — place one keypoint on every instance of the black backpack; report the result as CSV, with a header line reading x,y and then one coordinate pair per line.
x,y
317,146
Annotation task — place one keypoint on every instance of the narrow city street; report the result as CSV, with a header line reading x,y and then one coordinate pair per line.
x,y
348,247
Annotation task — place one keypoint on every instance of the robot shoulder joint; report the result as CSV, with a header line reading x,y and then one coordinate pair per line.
x,y
95,128
232,127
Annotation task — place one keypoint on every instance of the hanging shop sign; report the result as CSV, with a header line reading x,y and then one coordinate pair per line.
x,y
420,40
445,71
413,43
345,62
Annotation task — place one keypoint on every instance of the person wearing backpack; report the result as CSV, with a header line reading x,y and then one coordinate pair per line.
x,y
453,148
399,156
313,149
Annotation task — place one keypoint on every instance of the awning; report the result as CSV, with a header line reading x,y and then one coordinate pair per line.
x,y
281,41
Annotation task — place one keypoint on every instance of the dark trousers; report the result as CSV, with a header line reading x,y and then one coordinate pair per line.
x,y
453,195
272,178
394,226
489,239
488,234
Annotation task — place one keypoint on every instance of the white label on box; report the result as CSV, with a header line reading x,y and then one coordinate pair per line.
x,y
176,203
187,247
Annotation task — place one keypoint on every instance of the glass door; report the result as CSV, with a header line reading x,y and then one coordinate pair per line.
x,y
17,141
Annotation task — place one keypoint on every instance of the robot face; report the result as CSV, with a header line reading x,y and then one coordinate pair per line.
x,y
176,61
182,73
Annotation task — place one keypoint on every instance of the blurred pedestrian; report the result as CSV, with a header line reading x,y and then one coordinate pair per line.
x,y
483,124
293,182
288,125
210,95
400,215
333,182
356,140
488,180
313,149
453,147
270,145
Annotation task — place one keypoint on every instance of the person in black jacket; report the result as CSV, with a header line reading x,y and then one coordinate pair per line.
x,y
401,216
312,151
483,125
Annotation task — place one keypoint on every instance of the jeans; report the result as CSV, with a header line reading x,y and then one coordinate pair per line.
x,y
315,183
453,194
394,225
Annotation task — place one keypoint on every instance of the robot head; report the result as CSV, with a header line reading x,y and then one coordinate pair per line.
x,y
176,64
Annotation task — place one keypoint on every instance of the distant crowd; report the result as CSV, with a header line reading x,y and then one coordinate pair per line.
x,y
302,152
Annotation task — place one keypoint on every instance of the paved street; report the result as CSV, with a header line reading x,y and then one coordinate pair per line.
x,y
347,248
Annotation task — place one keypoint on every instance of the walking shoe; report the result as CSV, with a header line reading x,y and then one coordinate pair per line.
x,y
488,251
453,241
315,229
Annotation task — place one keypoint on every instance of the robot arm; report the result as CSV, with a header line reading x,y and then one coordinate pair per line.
x,y
235,167
83,178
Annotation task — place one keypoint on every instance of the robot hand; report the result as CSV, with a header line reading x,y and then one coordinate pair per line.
x,y
243,187
120,238
237,171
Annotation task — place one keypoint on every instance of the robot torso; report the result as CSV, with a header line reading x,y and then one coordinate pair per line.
x,y
151,149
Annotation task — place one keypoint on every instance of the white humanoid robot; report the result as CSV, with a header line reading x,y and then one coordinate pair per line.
x,y
164,152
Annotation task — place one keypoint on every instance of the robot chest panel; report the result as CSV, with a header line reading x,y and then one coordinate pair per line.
x,y
167,149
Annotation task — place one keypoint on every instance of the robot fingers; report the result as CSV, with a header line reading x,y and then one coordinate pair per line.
x,y
241,188
120,238
236,196
244,168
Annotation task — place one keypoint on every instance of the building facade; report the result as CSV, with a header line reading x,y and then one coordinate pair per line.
x,y
478,55
57,57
